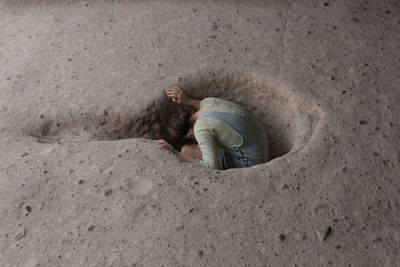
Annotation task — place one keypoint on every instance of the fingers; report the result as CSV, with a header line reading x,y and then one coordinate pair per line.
x,y
174,88
171,92
162,143
171,95
159,141
174,91
174,96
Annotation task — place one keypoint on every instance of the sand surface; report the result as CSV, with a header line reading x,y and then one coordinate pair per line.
x,y
82,94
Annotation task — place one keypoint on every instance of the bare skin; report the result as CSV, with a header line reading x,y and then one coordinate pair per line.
x,y
179,97
188,153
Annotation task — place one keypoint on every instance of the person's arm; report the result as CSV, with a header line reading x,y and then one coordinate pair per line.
x,y
163,143
206,140
179,97
192,102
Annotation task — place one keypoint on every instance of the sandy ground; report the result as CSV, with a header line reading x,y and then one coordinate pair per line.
x,y
82,94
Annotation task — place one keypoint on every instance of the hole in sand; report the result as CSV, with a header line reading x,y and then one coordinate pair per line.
x,y
288,117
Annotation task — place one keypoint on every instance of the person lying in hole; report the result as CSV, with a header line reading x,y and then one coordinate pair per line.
x,y
219,135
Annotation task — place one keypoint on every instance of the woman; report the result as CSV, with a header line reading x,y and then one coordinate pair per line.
x,y
227,135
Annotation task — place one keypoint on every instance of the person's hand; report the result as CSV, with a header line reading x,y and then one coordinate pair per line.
x,y
163,143
177,95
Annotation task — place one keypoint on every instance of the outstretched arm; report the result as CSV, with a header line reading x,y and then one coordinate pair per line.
x,y
179,97
183,156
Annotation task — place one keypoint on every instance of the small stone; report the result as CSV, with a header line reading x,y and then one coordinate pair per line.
x,y
378,239
91,228
283,186
299,236
28,208
322,235
107,192
282,237
179,228
21,234
201,253
363,122
80,182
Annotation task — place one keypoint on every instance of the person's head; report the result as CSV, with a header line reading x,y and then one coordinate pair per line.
x,y
178,129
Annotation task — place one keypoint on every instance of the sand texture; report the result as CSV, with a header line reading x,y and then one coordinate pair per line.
x,y
82,93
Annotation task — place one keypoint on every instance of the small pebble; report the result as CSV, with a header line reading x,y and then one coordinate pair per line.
x,y
107,192
283,186
282,237
21,234
378,239
322,235
90,228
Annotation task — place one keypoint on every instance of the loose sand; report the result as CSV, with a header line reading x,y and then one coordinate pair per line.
x,y
82,93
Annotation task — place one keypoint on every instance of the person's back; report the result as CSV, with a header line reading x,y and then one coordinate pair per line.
x,y
229,136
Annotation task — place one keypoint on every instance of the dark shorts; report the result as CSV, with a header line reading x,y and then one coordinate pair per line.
x,y
230,161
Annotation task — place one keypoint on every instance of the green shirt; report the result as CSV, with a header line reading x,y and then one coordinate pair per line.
x,y
211,132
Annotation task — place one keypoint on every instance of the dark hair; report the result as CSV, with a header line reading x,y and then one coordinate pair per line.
x,y
177,126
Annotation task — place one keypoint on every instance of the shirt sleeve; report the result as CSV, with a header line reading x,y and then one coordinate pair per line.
x,y
202,102
206,140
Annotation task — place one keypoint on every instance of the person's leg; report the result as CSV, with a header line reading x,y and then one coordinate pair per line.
x,y
192,150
